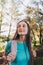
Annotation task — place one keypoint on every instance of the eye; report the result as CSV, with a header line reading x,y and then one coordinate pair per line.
x,y
23,25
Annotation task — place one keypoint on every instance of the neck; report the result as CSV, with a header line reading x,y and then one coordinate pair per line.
x,y
22,38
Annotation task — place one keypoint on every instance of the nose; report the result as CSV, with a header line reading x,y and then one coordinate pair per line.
x,y
21,27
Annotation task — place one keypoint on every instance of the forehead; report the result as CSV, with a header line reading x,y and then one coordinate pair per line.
x,y
22,23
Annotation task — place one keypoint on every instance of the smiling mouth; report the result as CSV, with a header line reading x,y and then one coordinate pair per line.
x,y
20,31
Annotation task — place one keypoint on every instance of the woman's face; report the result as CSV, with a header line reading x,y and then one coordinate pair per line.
x,y
22,28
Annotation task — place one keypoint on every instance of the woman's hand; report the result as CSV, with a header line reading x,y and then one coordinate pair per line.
x,y
34,53
10,57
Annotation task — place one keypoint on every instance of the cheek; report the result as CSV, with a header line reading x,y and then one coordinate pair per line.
x,y
25,30
17,30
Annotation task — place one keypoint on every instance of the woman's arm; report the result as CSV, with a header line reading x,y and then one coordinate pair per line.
x,y
33,51
10,51
7,50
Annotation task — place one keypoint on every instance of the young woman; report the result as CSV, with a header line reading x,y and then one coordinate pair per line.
x,y
22,52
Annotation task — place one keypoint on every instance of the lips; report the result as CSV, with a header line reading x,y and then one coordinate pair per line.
x,y
20,30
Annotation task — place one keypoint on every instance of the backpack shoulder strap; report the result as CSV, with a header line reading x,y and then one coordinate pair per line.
x,y
14,46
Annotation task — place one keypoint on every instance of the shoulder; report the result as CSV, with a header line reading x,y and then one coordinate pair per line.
x,y
9,43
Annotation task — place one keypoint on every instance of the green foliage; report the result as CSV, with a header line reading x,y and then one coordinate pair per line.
x,y
2,47
38,61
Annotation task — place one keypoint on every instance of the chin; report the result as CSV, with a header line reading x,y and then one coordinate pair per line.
x,y
22,34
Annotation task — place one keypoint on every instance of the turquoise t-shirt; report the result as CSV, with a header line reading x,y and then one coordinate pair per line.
x,y
23,54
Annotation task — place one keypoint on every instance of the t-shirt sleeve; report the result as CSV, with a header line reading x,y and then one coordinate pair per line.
x,y
8,48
